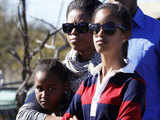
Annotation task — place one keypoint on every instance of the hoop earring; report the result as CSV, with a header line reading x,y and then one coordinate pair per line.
x,y
126,60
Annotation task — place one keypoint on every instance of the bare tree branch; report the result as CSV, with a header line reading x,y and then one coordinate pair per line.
x,y
24,27
53,41
46,45
45,22
37,50
20,26
58,50
13,52
51,25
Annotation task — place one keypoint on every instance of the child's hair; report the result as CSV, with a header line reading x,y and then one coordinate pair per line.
x,y
87,6
53,66
122,14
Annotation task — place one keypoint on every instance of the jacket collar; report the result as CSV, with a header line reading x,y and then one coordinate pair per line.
x,y
129,68
139,17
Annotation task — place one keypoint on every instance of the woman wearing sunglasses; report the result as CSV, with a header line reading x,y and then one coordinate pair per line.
x,y
114,91
82,56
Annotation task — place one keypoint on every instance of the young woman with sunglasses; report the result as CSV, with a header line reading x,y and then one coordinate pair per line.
x,y
82,56
114,91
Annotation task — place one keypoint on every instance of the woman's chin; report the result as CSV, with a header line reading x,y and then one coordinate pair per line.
x,y
99,49
76,47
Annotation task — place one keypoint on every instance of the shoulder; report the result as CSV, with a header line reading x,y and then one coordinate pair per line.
x,y
31,102
146,22
31,97
134,81
152,20
152,23
27,112
146,18
126,79
134,77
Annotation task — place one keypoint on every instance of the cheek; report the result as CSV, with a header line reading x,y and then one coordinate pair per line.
x,y
86,41
68,38
95,39
85,37
56,98
115,40
98,48
117,43
38,95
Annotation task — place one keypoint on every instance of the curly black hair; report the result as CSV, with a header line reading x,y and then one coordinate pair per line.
x,y
53,66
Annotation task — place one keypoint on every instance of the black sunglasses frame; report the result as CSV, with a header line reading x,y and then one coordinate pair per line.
x,y
81,27
108,28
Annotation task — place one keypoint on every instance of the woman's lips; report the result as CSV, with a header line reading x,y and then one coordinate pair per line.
x,y
99,42
73,40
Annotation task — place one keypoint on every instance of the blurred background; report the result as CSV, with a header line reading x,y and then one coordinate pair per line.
x,y
41,24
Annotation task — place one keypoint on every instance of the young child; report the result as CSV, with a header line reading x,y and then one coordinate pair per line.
x,y
51,94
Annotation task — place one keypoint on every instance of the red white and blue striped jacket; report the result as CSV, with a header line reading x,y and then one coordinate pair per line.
x,y
123,98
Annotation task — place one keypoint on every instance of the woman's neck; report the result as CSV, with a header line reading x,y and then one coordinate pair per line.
x,y
85,55
111,62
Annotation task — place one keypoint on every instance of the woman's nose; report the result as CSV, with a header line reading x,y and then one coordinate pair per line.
x,y
73,32
101,32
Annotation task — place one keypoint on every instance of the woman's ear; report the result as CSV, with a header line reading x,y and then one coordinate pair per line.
x,y
126,35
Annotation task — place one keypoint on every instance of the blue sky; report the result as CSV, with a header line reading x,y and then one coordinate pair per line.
x,y
49,9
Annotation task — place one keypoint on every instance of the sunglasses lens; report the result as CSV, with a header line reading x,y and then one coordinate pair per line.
x,y
82,28
109,28
67,27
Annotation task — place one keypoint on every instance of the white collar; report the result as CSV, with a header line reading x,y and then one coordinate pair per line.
x,y
129,68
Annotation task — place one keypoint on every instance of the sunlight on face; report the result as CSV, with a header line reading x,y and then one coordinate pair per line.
x,y
49,90
105,43
79,41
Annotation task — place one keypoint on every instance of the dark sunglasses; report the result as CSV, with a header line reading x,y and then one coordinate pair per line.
x,y
108,28
81,27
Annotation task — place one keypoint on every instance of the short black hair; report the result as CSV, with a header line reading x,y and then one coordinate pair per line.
x,y
87,6
119,12
55,67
